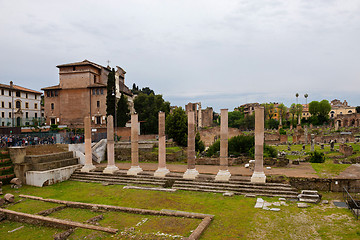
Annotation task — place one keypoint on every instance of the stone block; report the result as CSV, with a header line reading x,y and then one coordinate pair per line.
x,y
302,205
9,197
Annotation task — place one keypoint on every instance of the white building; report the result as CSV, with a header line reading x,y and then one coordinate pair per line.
x,y
19,106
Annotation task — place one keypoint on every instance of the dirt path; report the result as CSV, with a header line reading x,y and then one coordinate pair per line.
x,y
302,170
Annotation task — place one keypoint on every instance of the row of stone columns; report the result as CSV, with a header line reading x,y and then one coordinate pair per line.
x,y
191,172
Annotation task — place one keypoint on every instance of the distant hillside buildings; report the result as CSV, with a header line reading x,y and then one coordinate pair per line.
x,y
81,92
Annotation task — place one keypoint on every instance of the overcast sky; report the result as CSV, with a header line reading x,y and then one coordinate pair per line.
x,y
221,53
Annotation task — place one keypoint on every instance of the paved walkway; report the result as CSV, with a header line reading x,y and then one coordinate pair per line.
x,y
302,170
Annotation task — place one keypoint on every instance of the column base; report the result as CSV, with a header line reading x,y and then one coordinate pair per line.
x,y
111,169
87,168
190,174
161,172
258,177
223,175
134,170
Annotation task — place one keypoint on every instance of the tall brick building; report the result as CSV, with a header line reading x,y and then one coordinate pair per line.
x,y
81,92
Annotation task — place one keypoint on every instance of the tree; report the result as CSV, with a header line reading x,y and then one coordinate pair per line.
x,y
148,107
306,96
319,111
123,111
234,119
199,145
358,109
292,111
147,91
176,126
297,96
110,97
298,111
282,109
269,110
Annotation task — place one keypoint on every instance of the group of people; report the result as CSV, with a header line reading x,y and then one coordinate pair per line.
x,y
13,140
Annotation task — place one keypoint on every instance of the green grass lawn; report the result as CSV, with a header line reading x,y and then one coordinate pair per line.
x,y
235,217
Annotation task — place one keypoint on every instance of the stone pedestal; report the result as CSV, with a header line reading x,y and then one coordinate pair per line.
x,y
191,172
312,142
223,174
17,156
88,154
135,168
162,170
111,168
259,175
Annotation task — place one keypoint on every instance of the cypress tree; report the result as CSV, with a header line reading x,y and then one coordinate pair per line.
x,y
110,97
123,111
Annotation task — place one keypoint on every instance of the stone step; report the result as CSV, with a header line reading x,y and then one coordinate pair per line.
x,y
55,164
239,192
35,159
118,177
308,196
234,189
114,181
106,178
232,184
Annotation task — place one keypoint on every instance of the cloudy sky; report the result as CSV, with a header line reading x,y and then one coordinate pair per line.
x,y
221,53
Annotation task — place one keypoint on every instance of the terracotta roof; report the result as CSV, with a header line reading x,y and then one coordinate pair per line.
x,y
16,87
85,62
52,87
124,89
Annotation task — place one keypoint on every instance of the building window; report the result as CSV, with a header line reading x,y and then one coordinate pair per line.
x,y
48,93
52,106
35,105
9,93
56,93
101,91
35,115
9,104
2,104
98,104
3,124
97,92
74,68
94,78
93,91
2,114
27,115
26,95
35,96
26,105
18,94
98,120
2,92
52,121
9,114
18,104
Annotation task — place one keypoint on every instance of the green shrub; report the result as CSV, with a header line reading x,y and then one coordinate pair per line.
x,y
269,151
240,144
213,149
317,157
282,131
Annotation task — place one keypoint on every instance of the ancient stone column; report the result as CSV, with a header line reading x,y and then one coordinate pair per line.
x,y
111,168
336,125
259,175
162,170
135,168
191,172
223,174
306,134
312,142
88,154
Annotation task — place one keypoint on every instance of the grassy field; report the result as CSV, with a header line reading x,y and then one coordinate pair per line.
x,y
235,217
327,169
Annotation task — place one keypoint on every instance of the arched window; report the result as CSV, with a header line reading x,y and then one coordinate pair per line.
x,y
52,106
18,104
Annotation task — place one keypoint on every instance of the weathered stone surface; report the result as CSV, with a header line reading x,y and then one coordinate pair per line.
x,y
276,204
325,202
228,194
64,235
2,201
259,203
275,209
250,195
282,199
16,181
9,197
302,205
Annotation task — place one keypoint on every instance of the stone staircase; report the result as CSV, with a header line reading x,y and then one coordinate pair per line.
x,y
50,168
204,183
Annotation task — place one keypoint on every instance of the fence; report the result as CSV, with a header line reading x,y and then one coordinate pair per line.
x,y
353,202
12,122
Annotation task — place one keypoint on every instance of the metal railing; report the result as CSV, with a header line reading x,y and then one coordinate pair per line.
x,y
352,202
